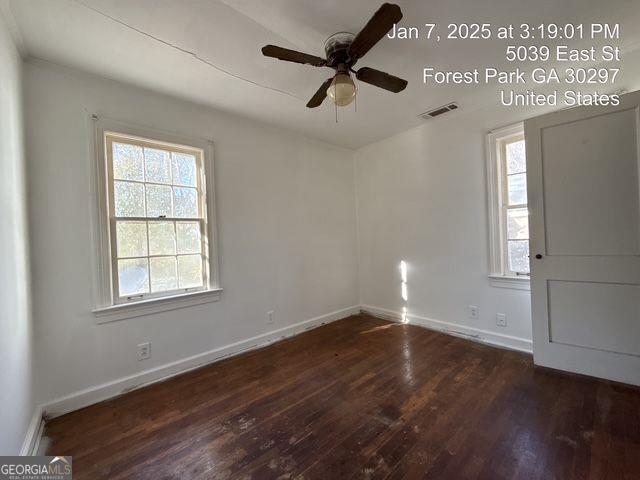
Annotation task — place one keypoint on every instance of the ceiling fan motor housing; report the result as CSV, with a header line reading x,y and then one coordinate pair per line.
x,y
336,48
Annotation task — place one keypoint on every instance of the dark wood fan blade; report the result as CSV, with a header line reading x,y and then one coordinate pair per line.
x,y
320,95
381,22
381,79
292,56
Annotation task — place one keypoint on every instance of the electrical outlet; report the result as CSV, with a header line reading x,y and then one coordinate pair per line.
x,y
144,351
270,316
473,311
501,320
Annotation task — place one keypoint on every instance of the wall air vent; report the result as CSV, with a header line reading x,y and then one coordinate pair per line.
x,y
439,111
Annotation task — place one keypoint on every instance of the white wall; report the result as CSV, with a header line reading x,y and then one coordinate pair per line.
x,y
286,226
422,199
16,405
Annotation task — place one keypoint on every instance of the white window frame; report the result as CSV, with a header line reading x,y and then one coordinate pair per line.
x,y
499,274
107,304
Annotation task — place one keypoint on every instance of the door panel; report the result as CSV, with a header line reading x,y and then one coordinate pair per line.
x,y
608,315
584,212
590,183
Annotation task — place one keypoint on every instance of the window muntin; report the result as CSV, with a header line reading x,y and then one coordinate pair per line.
x,y
515,216
158,222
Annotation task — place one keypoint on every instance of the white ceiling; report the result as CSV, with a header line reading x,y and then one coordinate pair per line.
x,y
154,44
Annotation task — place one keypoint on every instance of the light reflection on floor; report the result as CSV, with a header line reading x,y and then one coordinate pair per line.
x,y
377,329
407,364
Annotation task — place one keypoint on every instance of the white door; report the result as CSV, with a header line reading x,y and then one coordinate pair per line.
x,y
583,190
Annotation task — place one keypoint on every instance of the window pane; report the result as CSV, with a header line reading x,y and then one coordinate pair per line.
x,y
188,237
190,271
516,157
186,202
517,189
127,162
129,199
158,201
162,240
184,169
131,239
518,251
518,224
133,276
163,274
158,165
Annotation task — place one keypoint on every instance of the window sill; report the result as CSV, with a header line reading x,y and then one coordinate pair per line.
x,y
155,305
515,283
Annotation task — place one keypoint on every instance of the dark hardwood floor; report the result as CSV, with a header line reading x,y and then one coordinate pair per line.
x,y
361,398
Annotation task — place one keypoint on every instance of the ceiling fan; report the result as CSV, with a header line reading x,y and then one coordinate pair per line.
x,y
343,50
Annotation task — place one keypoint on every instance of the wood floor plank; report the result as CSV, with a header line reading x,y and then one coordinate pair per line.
x,y
361,398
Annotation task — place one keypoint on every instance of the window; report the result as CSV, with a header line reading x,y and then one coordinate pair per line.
x,y
514,205
509,217
155,227
157,212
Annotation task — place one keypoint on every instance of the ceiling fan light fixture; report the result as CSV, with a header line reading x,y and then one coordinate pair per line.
x,y
342,90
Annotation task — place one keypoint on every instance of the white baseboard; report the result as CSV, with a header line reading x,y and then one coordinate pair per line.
x,y
98,393
34,433
471,333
